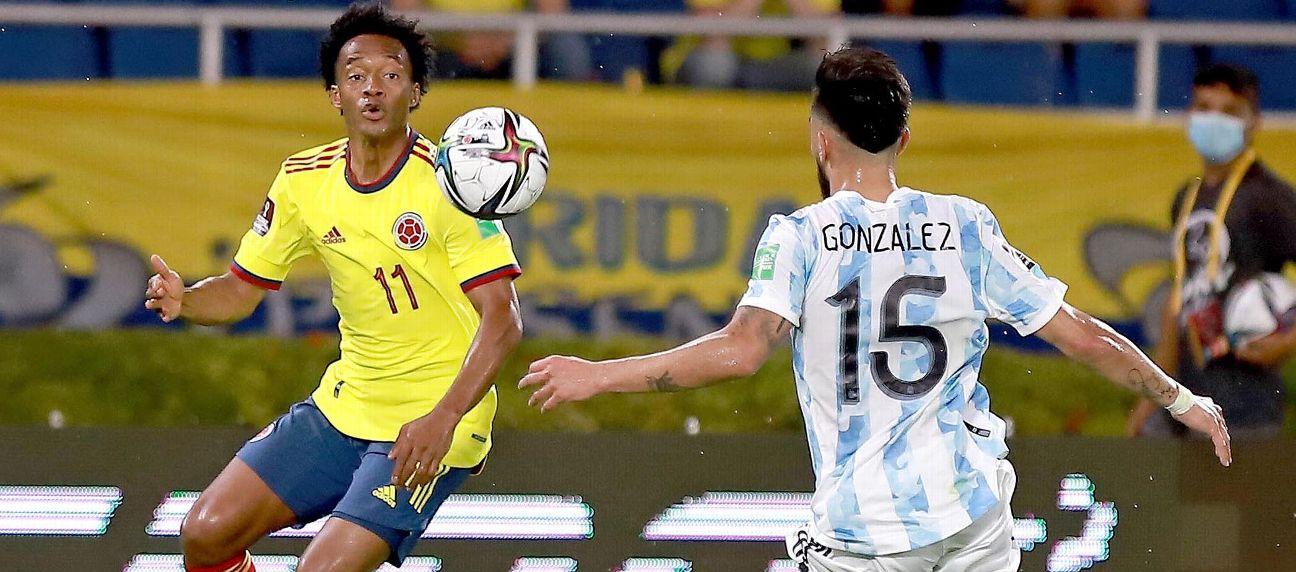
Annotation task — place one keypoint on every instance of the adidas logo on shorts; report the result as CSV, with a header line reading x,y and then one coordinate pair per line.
x,y
387,494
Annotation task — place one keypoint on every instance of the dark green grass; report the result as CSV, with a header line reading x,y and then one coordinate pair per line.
x,y
158,378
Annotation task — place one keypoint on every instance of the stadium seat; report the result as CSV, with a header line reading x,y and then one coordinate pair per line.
x,y
48,52
1178,64
152,52
275,53
912,59
1275,66
983,7
613,54
1260,10
1003,73
283,53
149,52
1104,74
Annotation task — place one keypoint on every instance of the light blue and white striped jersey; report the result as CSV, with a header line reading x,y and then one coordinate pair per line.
x,y
890,301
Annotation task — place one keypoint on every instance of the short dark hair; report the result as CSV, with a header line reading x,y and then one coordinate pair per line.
x,y
862,92
372,18
1241,81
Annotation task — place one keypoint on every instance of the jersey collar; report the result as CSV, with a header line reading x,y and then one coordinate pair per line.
x,y
387,177
891,200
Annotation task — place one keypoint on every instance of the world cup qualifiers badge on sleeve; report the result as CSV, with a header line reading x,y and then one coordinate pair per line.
x,y
263,219
763,269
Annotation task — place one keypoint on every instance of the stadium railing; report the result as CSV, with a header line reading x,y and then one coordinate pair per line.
x,y
1148,37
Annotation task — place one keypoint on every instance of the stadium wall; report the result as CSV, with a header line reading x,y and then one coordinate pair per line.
x,y
1094,504
655,200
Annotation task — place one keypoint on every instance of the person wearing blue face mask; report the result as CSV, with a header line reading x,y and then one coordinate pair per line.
x,y
1232,223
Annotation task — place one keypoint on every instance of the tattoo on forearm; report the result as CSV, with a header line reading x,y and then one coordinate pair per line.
x,y
1152,387
663,383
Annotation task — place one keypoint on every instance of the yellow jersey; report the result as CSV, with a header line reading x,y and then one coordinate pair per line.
x,y
400,259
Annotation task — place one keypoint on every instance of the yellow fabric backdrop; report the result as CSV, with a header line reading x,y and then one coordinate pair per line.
x,y
179,169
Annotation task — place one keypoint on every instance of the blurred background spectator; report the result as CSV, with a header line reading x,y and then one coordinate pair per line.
x,y
489,54
1256,209
1105,9
748,62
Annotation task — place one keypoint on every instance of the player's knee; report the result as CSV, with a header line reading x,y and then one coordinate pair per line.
x,y
208,536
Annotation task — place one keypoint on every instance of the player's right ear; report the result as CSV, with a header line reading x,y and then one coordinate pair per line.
x,y
823,144
904,141
335,97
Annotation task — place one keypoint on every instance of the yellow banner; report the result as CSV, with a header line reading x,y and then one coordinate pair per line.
x,y
653,197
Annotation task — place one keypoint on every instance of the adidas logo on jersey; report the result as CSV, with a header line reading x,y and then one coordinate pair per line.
x,y
333,236
387,494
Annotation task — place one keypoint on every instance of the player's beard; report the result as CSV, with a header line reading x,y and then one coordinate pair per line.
x,y
823,179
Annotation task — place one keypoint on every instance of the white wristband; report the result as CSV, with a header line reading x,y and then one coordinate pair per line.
x,y
1182,403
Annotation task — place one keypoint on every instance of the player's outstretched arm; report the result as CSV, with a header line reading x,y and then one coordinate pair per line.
x,y
737,350
1166,355
423,442
1091,342
217,300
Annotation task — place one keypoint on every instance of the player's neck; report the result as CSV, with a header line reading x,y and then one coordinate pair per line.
x,y
370,158
870,182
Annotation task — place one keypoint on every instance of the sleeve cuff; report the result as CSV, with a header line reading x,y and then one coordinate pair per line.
x,y
510,271
253,279
1042,318
770,305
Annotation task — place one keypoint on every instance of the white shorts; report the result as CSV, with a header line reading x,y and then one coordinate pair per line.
x,y
986,545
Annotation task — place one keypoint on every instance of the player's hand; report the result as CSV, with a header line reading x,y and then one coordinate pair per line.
x,y
420,447
1269,351
562,379
1207,418
165,290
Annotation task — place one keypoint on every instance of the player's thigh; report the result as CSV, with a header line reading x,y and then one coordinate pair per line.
x,y
987,544
344,546
991,549
234,511
293,471
395,514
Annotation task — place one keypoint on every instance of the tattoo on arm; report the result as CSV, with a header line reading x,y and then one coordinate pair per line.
x,y
663,383
1152,387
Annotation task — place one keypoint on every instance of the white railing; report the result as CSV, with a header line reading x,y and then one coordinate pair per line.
x,y
1146,36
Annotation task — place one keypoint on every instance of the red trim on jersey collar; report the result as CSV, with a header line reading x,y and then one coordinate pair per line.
x,y
387,177
253,279
510,271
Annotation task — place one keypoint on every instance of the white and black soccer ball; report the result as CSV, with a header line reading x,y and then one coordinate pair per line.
x,y
1258,307
492,163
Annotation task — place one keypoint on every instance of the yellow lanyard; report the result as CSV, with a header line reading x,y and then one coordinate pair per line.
x,y
1216,229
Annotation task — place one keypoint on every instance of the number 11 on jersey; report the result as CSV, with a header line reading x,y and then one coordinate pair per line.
x,y
398,272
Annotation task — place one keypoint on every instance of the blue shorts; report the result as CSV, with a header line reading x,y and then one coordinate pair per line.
x,y
318,471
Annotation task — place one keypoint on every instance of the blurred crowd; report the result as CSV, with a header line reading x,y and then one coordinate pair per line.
x,y
719,61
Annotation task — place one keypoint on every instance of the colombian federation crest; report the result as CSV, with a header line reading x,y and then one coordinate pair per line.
x,y
410,232
263,434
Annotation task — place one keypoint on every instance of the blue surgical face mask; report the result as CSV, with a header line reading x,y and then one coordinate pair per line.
x,y
1218,137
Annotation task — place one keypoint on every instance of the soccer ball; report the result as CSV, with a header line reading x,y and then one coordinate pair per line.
x,y
1259,307
492,163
